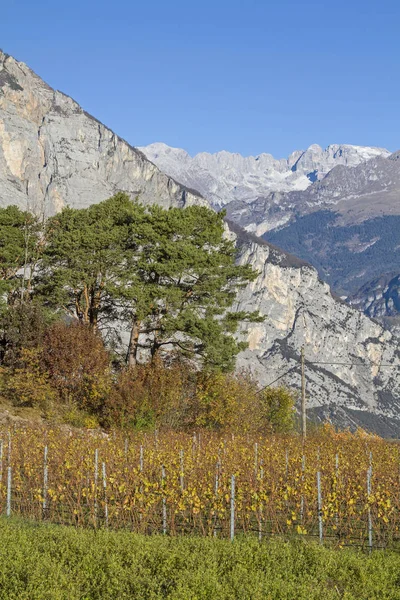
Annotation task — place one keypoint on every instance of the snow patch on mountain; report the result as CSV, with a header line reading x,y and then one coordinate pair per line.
x,y
224,177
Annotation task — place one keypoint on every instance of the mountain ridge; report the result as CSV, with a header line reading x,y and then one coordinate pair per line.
x,y
223,177
344,221
55,130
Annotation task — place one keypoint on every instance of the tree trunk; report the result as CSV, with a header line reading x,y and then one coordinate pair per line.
x,y
131,358
155,347
93,316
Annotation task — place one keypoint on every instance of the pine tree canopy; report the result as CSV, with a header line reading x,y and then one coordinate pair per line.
x,y
170,274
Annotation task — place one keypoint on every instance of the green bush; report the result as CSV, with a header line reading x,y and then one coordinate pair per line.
x,y
278,408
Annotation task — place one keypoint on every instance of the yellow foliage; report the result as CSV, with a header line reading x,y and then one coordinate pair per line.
x,y
28,384
234,402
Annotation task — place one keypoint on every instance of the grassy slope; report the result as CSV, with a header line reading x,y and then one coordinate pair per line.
x,y
50,562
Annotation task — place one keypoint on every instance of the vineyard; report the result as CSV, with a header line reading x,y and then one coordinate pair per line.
x,y
340,488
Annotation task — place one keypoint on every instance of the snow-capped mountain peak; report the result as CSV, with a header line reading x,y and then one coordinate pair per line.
x,y
224,176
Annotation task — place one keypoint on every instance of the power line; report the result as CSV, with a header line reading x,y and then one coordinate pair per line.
x,y
374,364
278,378
317,362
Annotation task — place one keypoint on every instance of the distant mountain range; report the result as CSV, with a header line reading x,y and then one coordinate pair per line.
x,y
338,208
225,177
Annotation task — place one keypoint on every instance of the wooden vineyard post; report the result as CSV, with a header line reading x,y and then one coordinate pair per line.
x,y
255,459
96,477
260,512
286,463
320,524
337,480
303,469
182,473
9,450
303,396
194,443
216,494
232,528
45,483
141,459
141,464
286,475
1,460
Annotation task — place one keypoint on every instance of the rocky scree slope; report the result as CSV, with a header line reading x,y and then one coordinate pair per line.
x,y
52,153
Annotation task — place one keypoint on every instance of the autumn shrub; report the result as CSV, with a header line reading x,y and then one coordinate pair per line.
x,y
178,397
28,383
152,395
277,408
66,366
70,414
225,401
234,402
78,365
22,326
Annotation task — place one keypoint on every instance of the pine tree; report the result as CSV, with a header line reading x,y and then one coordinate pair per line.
x,y
85,258
187,267
170,274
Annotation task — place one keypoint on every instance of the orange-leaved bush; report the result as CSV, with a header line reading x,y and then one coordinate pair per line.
x,y
78,365
177,396
151,395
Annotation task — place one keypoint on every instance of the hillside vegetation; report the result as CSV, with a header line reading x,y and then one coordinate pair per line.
x,y
122,315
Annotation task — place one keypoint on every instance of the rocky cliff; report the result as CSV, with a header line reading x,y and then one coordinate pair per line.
x,y
52,154
380,299
352,362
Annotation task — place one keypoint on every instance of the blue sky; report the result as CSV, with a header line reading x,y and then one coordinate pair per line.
x,y
245,76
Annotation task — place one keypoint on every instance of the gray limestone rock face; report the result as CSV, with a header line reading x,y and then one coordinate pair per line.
x,y
352,362
53,154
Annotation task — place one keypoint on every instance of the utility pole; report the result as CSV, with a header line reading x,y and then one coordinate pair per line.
x,y
303,396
